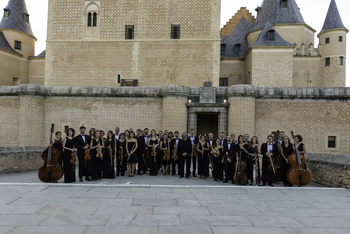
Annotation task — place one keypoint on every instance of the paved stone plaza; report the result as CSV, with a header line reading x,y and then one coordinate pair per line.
x,y
146,204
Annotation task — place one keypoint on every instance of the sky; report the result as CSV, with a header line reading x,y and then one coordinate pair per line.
x,y
314,14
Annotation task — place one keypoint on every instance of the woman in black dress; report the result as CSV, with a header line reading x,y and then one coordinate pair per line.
x,y
108,158
242,148
57,143
122,160
300,145
96,144
152,148
203,157
252,157
131,151
286,149
68,146
164,146
218,157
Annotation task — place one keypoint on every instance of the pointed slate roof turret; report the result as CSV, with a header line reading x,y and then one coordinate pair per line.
x,y
264,42
237,36
333,19
16,17
272,11
5,45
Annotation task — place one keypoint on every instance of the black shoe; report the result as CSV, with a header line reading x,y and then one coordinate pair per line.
x,y
271,185
80,180
264,184
225,181
88,179
139,173
187,177
194,175
181,177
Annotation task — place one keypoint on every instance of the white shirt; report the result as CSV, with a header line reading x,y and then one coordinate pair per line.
x,y
192,139
146,139
229,145
269,147
211,142
117,136
177,142
222,141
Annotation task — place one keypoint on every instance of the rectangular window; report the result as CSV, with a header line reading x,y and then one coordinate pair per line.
x,y
340,39
18,45
6,14
129,32
271,35
223,48
341,61
331,142
175,31
237,48
284,4
65,128
26,18
327,40
223,82
16,81
328,62
118,78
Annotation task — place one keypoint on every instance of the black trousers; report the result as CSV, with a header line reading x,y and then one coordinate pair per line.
x,y
81,159
142,165
203,164
185,160
228,170
250,167
194,164
153,165
173,166
265,171
123,167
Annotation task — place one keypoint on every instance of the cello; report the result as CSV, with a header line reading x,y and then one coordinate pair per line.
x,y
297,173
240,177
51,171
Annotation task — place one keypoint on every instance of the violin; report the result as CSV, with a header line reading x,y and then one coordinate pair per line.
x,y
87,154
154,152
240,176
166,154
51,171
99,151
73,159
175,155
297,173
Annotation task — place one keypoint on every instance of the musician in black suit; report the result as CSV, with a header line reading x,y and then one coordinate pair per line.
x,y
174,144
194,142
141,152
223,141
185,148
117,134
229,159
246,138
211,142
268,149
82,143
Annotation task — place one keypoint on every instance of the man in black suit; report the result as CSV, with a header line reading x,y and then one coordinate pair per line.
x,y
117,134
246,138
211,142
141,153
223,141
194,142
174,144
229,159
82,143
268,149
185,148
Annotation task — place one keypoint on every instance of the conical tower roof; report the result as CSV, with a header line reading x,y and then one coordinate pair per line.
x,y
273,12
333,19
16,17
277,42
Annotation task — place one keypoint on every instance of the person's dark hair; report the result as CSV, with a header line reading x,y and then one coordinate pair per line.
x,y
58,132
145,129
184,134
192,129
122,134
71,130
164,135
251,141
270,136
300,138
82,127
176,132
101,131
240,137
92,129
110,132
246,134
138,130
132,132
222,132
216,139
172,134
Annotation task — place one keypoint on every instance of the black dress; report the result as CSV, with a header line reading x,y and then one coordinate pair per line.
x,y
96,163
153,161
59,146
122,159
203,161
133,157
69,168
161,153
108,163
218,167
251,162
285,167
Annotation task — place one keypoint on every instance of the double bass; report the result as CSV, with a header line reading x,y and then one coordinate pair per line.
x,y
51,171
240,177
297,173
278,176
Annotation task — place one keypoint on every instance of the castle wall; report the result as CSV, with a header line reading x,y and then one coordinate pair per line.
x,y
10,67
307,72
27,41
295,33
234,70
9,115
37,71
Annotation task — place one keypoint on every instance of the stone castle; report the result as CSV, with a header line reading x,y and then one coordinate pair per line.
x,y
142,63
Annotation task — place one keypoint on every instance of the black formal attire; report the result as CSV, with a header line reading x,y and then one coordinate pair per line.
x,y
133,157
264,150
223,142
203,160
185,146
108,161
211,143
244,156
194,140
69,168
229,153
59,146
153,160
174,144
96,163
84,165
121,162
251,163
161,153
145,138
218,167
301,147
141,151
116,136
285,167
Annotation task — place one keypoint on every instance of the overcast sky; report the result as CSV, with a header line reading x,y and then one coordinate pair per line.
x,y
314,13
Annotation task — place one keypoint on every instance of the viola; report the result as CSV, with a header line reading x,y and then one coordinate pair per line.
x,y
154,153
194,151
87,154
297,173
51,171
240,176
99,151
73,156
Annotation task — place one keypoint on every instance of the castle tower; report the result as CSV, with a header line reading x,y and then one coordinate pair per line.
x,y
333,40
15,25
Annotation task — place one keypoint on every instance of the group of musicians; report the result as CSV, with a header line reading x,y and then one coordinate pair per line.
x,y
97,154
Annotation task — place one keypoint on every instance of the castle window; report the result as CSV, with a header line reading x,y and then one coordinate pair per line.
x,y
6,13
327,40
271,35
94,20
284,3
89,20
237,48
223,82
175,31
332,142
340,39
18,45
223,48
341,61
129,32
328,62
26,18
16,81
